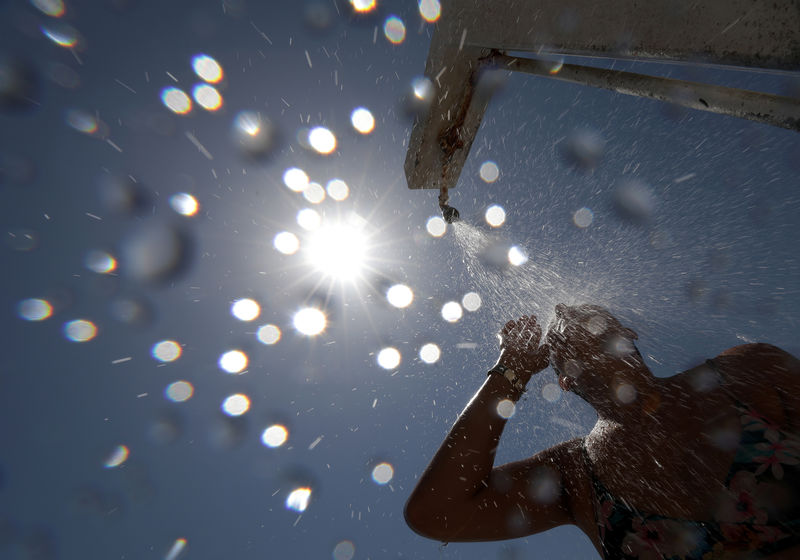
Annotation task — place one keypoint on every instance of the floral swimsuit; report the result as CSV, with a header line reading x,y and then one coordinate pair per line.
x,y
759,510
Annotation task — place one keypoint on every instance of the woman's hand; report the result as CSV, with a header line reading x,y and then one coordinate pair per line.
x,y
519,347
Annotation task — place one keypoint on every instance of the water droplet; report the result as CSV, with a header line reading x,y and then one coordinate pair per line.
x,y
344,550
176,100
80,330
275,436
179,391
233,361
551,392
471,301
184,204
362,120
118,456
19,84
430,353
298,499
517,256
382,473
583,217
61,33
236,405
309,219
155,253
389,358
430,10
314,193
268,334
100,262
52,8
207,68
34,309
436,226
489,171
166,351
635,201
338,190
245,309
295,179
400,295
322,140
451,311
255,135
286,242
309,321
495,215
506,408
394,29
363,6
207,97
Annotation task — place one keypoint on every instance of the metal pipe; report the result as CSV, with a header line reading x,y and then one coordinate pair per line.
x,y
756,106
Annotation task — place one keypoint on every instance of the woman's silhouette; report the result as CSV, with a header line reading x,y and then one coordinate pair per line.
x,y
703,464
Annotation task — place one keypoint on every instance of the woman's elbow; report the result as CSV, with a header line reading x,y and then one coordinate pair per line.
x,y
424,522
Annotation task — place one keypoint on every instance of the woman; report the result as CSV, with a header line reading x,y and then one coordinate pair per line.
x,y
703,464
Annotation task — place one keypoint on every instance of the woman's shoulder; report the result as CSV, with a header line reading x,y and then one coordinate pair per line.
x,y
748,363
764,377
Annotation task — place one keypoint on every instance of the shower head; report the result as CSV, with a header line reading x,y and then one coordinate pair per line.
x,y
450,214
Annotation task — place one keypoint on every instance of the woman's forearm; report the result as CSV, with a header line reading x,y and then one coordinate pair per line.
x,y
463,463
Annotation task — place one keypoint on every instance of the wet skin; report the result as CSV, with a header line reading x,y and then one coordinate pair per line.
x,y
660,444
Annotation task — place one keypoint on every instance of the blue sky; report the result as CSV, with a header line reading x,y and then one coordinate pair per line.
x,y
711,263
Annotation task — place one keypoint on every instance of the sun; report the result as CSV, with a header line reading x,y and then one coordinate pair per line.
x,y
338,251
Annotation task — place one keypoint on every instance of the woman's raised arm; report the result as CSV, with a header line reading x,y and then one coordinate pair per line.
x,y
460,496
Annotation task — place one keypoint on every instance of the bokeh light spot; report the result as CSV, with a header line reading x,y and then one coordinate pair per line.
x,y
309,321
275,436
286,242
298,499
551,392
389,358
338,190
179,391
363,6
268,334
166,351
362,120
80,330
430,10
344,550
430,353
422,88
322,140
207,97
489,171
436,226
82,121
506,408
309,219
314,193
118,456
184,204
583,217
176,100
52,8
495,215
207,68
471,301
176,549
100,262
400,295
233,361
296,179
451,311
236,405
382,473
34,309
517,256
245,309
394,29
61,34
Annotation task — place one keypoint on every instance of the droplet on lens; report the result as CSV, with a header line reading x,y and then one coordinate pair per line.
x,y
19,84
155,253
